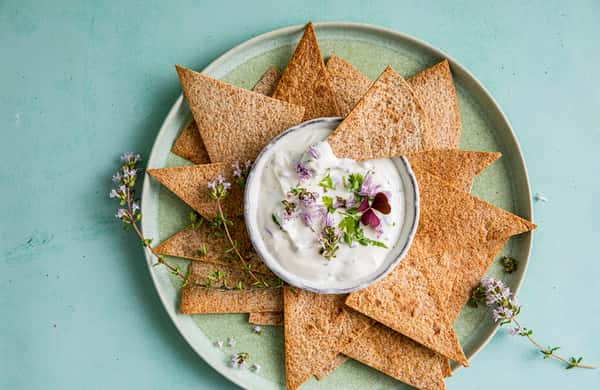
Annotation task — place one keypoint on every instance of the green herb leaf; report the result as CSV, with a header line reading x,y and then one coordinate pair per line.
x,y
328,202
327,183
353,182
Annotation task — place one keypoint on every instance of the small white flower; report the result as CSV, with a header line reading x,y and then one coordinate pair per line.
x,y
231,342
256,367
218,344
257,329
238,360
539,197
135,207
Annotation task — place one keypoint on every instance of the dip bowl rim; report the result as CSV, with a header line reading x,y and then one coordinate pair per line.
x,y
385,268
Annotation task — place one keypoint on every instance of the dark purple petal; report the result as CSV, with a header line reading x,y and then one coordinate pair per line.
x,y
381,204
369,218
364,205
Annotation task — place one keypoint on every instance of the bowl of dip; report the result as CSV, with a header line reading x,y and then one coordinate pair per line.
x,y
326,224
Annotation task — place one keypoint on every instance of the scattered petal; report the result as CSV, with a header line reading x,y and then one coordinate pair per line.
x,y
370,218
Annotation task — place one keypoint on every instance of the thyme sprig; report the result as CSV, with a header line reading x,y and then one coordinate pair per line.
x,y
494,294
129,213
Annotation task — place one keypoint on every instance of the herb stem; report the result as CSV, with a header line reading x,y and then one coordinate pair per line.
x,y
552,354
233,245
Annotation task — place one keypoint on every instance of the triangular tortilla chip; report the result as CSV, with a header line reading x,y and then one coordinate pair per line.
x,y
235,124
349,84
435,89
190,184
189,144
457,167
305,81
452,220
406,302
266,318
388,121
187,243
472,264
200,300
399,357
331,366
312,324
268,81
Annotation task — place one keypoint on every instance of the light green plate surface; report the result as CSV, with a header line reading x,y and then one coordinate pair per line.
x,y
370,49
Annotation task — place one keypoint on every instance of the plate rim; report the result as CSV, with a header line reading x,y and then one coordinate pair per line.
x,y
273,34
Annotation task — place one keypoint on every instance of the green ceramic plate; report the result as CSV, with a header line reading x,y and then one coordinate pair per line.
x,y
370,49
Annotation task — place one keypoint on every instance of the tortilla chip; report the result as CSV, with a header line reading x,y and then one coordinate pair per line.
x,y
200,300
235,124
305,81
399,357
473,264
189,144
388,121
266,318
457,167
312,326
452,220
190,184
268,81
331,366
349,84
187,242
435,89
406,302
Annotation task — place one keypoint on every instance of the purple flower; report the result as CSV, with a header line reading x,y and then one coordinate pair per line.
x,y
368,188
303,172
113,194
313,152
117,177
237,170
341,203
501,313
514,331
328,220
495,291
238,360
121,213
131,158
218,187
307,219
135,207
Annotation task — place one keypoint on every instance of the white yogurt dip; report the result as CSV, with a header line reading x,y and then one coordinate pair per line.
x,y
307,206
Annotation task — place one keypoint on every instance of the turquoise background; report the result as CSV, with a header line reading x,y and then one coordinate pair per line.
x,y
82,82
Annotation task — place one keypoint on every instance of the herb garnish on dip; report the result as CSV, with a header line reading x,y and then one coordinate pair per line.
x,y
325,219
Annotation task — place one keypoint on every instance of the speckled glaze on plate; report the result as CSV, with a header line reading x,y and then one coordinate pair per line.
x,y
370,49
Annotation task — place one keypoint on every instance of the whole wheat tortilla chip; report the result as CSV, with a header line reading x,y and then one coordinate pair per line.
x,y
312,326
187,243
266,318
473,264
189,144
305,81
435,89
452,220
268,81
200,300
331,366
399,357
406,302
349,84
190,184
457,167
388,121
235,124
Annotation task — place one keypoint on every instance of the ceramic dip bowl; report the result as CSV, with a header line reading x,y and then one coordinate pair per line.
x,y
287,214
